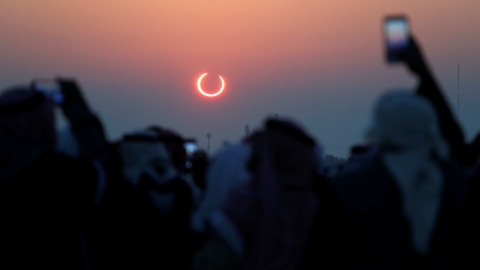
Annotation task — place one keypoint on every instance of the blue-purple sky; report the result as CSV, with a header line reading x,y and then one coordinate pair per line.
x,y
318,62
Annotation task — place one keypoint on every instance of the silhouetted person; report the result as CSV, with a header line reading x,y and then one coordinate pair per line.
x,y
45,194
145,222
466,247
399,210
264,222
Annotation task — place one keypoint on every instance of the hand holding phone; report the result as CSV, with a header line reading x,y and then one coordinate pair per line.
x,y
397,37
50,88
190,146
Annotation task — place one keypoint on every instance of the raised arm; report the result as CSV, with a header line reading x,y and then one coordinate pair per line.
x,y
85,125
428,87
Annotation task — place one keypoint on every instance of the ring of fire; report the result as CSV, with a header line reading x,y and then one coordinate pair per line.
x,y
199,81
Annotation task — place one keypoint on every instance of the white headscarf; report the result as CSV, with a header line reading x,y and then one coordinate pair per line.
x,y
227,169
406,127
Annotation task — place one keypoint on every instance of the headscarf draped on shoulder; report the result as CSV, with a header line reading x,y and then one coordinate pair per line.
x,y
406,130
266,221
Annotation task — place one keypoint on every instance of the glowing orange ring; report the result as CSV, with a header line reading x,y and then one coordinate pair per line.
x,y
199,81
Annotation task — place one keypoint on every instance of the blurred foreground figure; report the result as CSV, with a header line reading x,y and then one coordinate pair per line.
x,y
467,248
400,209
265,221
144,220
226,169
397,203
45,194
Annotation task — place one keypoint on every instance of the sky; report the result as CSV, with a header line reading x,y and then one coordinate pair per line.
x,y
320,63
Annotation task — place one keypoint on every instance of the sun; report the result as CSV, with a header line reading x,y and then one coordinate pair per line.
x,y
199,86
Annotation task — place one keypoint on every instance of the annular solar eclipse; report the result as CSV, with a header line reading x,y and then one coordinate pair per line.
x,y
199,86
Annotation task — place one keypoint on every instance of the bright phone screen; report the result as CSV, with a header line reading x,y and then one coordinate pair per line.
x,y
397,33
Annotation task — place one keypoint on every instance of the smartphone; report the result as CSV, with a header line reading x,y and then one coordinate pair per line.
x,y
190,146
50,88
397,36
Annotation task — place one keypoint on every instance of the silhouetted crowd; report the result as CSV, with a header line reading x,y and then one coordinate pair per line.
x,y
406,198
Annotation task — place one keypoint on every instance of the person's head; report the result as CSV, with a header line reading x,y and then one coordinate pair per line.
x,y
402,120
174,143
153,152
27,117
288,147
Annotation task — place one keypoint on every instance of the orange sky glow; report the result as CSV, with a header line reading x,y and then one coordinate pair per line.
x,y
280,56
